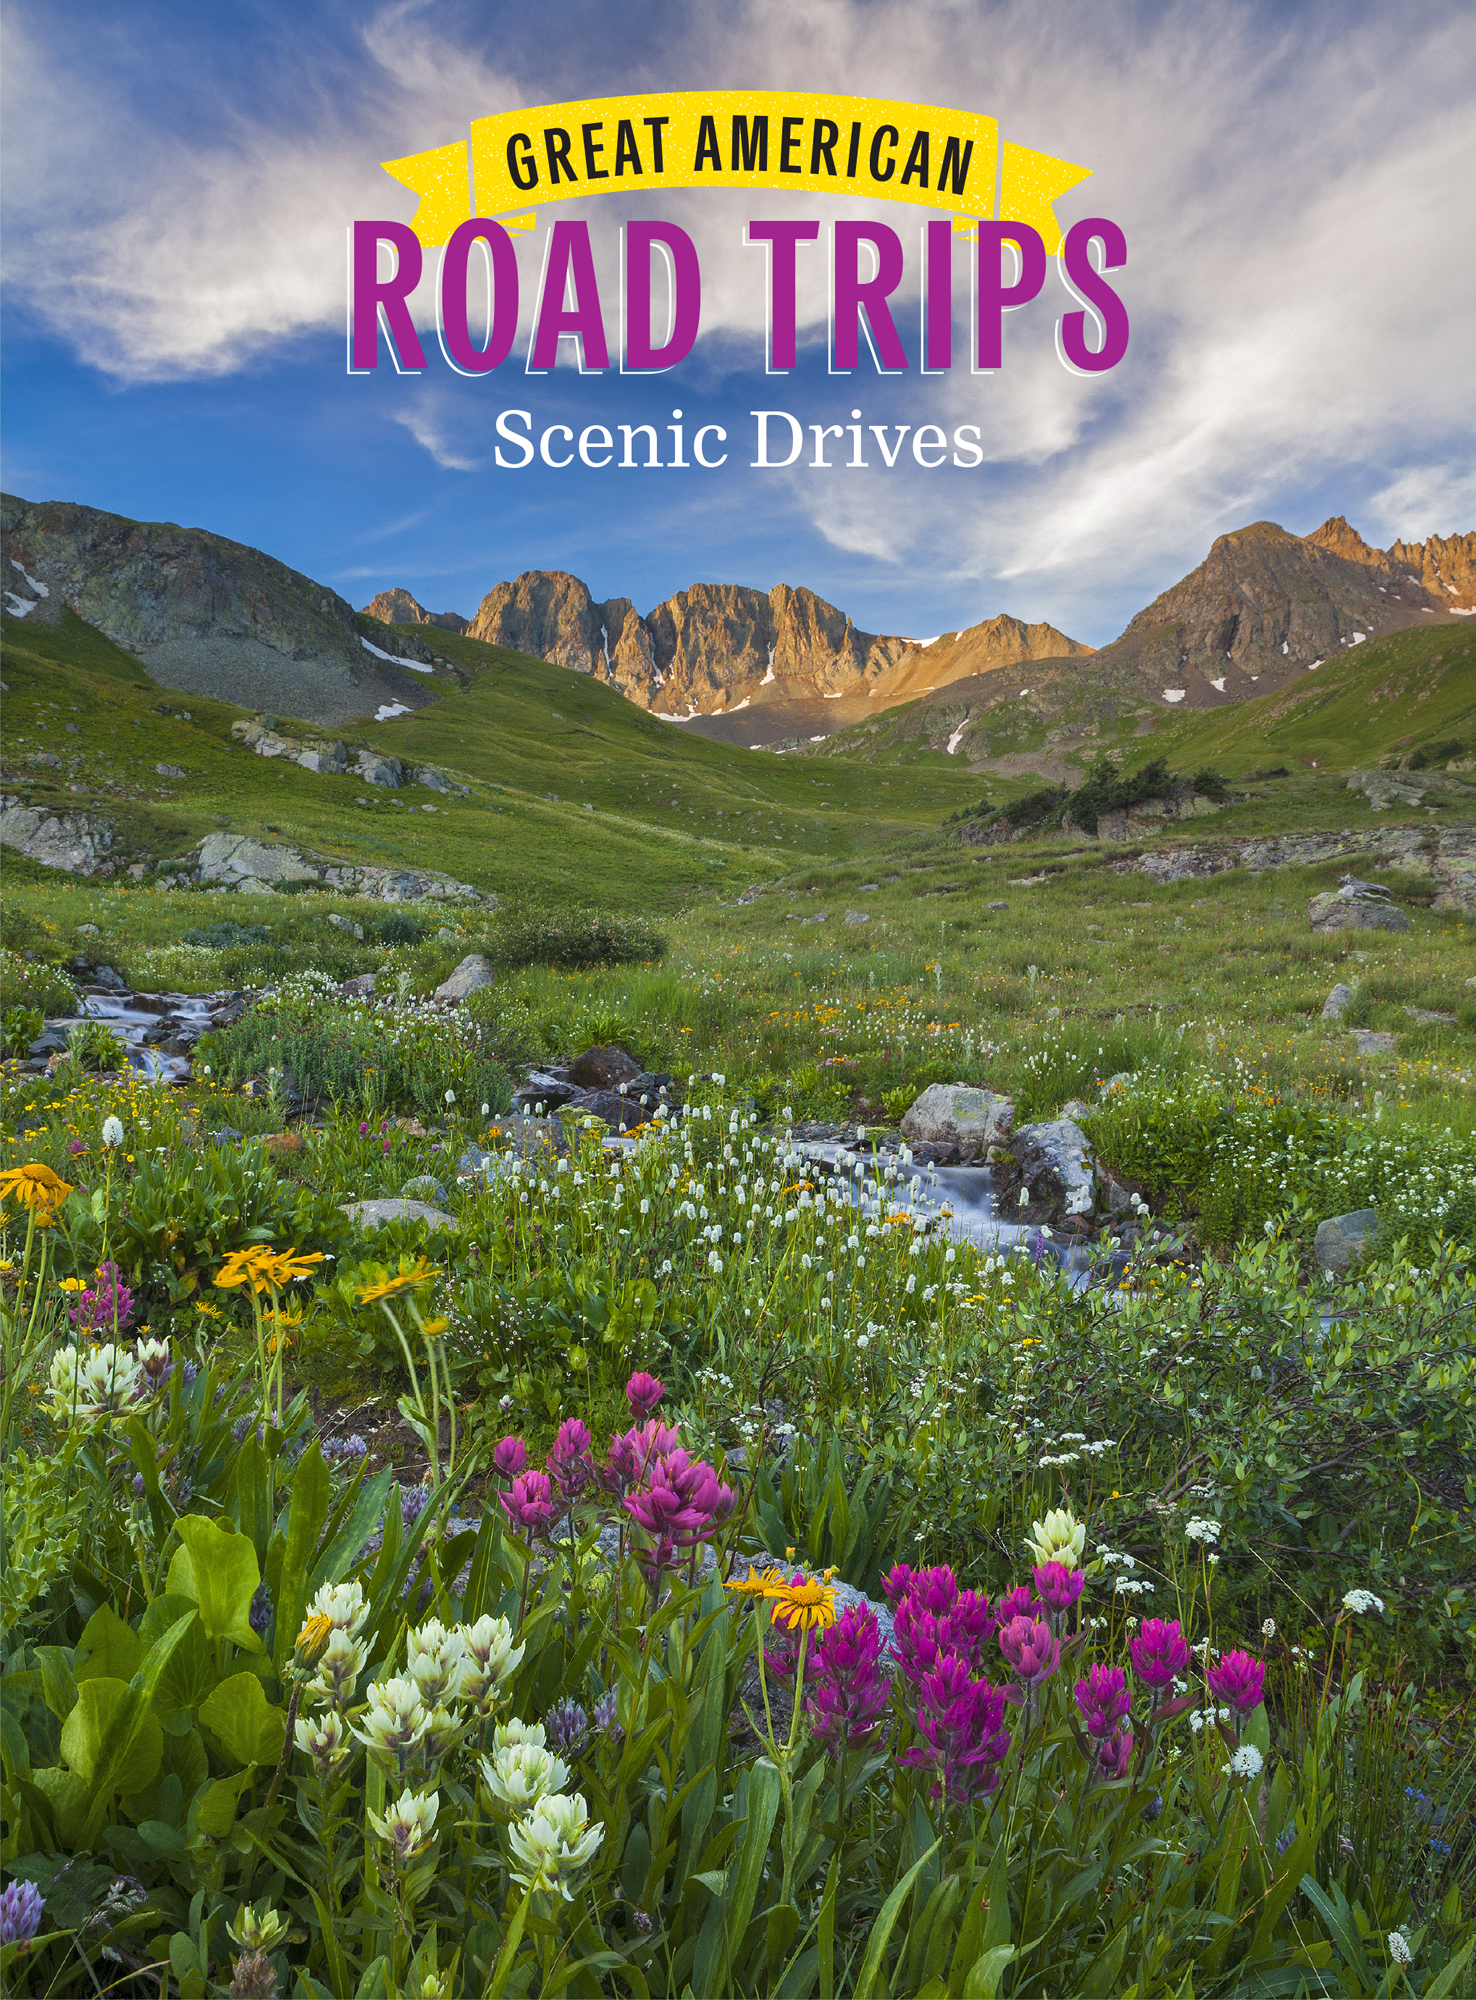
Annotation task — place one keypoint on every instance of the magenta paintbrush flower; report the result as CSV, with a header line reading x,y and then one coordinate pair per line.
x,y
1237,1681
1103,1699
847,1695
930,1623
568,1459
1058,1587
896,1583
959,1722
510,1457
529,1503
1018,1604
681,1500
1159,1652
1031,1648
1115,1754
643,1393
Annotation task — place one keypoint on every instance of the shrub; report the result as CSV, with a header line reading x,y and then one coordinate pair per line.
x,y
221,936
534,934
1210,785
1436,753
27,982
396,927
1036,808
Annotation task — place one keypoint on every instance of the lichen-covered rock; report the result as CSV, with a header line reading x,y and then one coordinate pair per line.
x,y
1056,1164
237,861
1337,1003
473,973
70,841
1343,1239
960,1115
1354,913
395,1208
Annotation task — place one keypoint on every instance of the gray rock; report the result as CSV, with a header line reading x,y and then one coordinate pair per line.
x,y
1337,1003
376,769
857,917
1343,1239
1056,1163
346,924
473,973
1431,1017
424,1187
57,840
358,987
369,1214
621,1112
170,770
1373,1042
603,1067
232,860
960,1115
437,780
1075,1109
550,1088
1354,913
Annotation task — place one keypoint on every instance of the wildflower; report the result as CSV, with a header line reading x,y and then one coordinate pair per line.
x,y
1059,1538
520,1774
1017,1603
491,1660
643,1393
35,1187
515,1730
568,1727
255,1931
680,1502
155,1360
112,1131
1159,1652
802,1603
1268,1628
435,1659
342,1604
554,1842
529,1504
1103,1700
395,1720
21,1905
606,1718
754,1585
450,1097
259,1617
419,1273
1058,1587
1361,1601
1399,1950
1244,1762
106,1306
1031,1648
959,1720
569,1460
408,1824
324,1739
1237,1681
100,1382
1114,1755
1202,1530
313,1638
847,1697
510,1457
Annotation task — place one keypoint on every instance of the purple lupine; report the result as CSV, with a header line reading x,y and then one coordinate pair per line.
x,y
1031,1648
350,1447
568,1459
1057,1587
510,1457
1159,1652
1103,1699
1237,1681
413,1502
260,1614
1115,1754
567,1727
643,1392
21,1904
847,1696
606,1717
959,1720
529,1503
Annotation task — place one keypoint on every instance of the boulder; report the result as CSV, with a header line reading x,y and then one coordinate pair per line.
x,y
548,1087
369,1214
603,1067
1373,1042
1354,913
1337,1003
376,769
514,1137
473,973
1055,1163
346,924
426,1188
962,1116
621,1112
359,986
234,860
1430,1017
57,840
1343,1239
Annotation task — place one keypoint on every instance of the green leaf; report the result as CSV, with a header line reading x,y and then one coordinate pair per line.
x,y
132,1717
873,1965
214,1808
986,1973
248,1497
127,1763
218,1572
243,1722
190,1671
363,1518
107,1647
58,1682
306,1513
1443,1985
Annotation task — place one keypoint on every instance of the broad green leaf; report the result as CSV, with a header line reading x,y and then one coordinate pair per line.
x,y
307,1511
190,1671
107,1648
873,1966
219,1573
214,1809
243,1722
68,1796
249,1495
58,1682
1443,1985
85,1739
986,1973
363,1517
132,1717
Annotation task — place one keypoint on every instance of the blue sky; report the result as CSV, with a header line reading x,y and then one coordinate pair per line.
x,y
178,181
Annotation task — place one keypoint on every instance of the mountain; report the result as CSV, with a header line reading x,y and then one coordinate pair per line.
x,y
398,607
758,668
1262,611
204,615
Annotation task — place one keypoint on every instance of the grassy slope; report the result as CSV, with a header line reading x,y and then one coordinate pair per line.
x,y
673,815
1376,701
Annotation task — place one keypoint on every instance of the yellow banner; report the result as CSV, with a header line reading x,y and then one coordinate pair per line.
x,y
795,141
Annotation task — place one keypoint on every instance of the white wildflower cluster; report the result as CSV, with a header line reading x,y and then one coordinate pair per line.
x,y
1202,1529
89,1383
1360,1602
1244,1763
550,1834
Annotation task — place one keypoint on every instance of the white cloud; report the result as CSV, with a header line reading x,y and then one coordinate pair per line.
x,y
429,430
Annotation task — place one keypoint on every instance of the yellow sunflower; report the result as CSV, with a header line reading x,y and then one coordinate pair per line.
x,y
754,1585
389,1287
801,1605
35,1186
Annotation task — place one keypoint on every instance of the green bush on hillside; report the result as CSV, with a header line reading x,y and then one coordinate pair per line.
x,y
1036,808
1436,753
531,934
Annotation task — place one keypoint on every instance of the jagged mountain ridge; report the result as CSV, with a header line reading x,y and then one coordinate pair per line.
x,y
398,607
745,665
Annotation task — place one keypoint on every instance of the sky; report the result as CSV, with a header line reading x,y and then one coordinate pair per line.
x,y
1292,183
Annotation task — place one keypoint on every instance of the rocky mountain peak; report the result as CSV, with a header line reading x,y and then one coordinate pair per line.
x,y
398,607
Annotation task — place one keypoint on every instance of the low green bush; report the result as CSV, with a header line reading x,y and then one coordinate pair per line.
x,y
27,982
531,934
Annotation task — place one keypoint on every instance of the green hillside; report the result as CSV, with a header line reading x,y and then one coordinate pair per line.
x,y
574,791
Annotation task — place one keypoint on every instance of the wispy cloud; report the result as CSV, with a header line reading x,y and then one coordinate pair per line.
x,y
429,430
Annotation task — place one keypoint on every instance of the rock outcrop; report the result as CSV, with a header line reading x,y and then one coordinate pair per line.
x,y
398,607
258,867
1447,855
339,759
1343,1239
71,841
1354,913
962,1116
